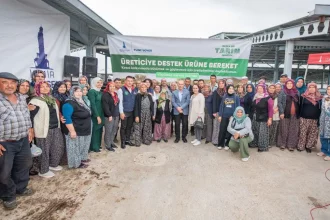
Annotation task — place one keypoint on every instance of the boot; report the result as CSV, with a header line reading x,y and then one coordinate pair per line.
x,y
123,146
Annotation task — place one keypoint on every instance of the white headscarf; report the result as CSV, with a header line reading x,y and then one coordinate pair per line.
x,y
94,82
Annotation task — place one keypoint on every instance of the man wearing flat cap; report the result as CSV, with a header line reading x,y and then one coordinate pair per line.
x,y
15,135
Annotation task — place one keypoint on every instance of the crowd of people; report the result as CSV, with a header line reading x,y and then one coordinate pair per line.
x,y
67,121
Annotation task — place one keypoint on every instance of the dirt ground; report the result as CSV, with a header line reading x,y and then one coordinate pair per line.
x,y
180,181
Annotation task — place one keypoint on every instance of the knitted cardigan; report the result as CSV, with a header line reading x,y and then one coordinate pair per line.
x,y
41,120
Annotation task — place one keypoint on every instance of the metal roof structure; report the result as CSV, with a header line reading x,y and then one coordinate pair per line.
x,y
289,44
87,29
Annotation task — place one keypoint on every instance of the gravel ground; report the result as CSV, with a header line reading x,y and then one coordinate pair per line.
x,y
181,181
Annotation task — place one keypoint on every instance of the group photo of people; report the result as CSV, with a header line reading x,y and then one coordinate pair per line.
x,y
68,121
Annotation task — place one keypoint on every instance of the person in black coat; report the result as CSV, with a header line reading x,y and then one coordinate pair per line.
x,y
144,113
163,117
110,106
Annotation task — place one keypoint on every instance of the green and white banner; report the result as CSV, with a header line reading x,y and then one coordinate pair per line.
x,y
157,57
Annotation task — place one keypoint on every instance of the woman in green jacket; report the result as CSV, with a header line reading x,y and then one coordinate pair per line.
x,y
95,98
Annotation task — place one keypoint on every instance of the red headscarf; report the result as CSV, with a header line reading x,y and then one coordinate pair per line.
x,y
114,94
312,97
37,87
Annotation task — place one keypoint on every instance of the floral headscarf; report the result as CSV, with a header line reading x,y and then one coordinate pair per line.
x,y
273,95
312,97
85,97
79,84
259,96
44,97
59,96
326,102
80,101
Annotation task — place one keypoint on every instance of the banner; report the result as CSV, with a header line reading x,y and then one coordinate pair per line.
x,y
177,58
319,58
33,36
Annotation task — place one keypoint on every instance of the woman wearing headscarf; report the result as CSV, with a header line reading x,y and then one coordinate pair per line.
x,y
163,117
262,114
84,90
278,87
83,81
110,105
60,94
325,127
248,98
240,92
288,107
208,120
144,115
216,100
240,128
47,130
310,111
196,112
229,103
300,85
273,129
78,122
95,97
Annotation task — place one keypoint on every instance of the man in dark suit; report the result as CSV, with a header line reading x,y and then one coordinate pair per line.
x,y
180,102
187,85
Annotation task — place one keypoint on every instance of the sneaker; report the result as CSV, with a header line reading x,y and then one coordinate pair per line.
x,y
27,192
197,143
245,159
194,141
226,148
49,174
219,148
327,158
58,168
320,154
10,205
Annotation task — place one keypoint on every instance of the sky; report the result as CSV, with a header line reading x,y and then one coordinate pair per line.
x,y
196,19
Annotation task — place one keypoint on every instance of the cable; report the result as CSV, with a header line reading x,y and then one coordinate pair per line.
x,y
321,206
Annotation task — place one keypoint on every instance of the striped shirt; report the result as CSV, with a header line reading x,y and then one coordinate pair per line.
x,y
14,118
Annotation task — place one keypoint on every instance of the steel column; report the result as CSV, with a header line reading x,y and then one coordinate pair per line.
x,y
288,58
252,73
106,69
276,65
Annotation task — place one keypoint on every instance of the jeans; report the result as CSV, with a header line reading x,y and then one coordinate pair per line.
x,y
15,164
325,146
126,127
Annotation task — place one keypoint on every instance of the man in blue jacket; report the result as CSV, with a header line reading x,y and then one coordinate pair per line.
x,y
180,102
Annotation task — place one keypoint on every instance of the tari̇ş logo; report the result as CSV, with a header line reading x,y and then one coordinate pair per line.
x,y
143,50
125,47
227,50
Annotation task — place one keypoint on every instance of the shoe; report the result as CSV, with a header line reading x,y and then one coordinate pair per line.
x,y
215,145
299,150
197,143
58,168
194,141
49,174
137,145
83,166
10,205
206,142
226,148
291,149
158,141
165,140
33,173
320,154
245,159
86,161
176,141
184,140
115,141
114,146
327,158
219,148
27,192
259,150
308,150
129,143
111,149
123,146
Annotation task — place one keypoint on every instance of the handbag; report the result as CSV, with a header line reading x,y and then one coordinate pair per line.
x,y
199,123
35,151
